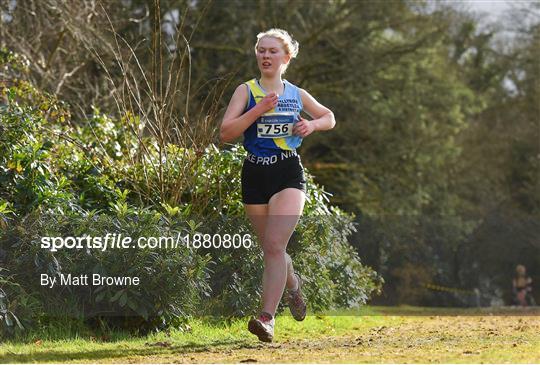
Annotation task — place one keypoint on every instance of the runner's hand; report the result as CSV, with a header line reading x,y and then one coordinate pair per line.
x,y
303,128
268,102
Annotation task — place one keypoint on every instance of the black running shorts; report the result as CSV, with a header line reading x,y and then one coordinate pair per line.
x,y
263,177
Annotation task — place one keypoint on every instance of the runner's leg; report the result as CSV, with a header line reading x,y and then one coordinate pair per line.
x,y
258,214
292,282
284,210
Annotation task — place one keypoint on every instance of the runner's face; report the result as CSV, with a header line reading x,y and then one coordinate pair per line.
x,y
271,56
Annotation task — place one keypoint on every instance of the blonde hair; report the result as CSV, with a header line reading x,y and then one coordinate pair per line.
x,y
290,45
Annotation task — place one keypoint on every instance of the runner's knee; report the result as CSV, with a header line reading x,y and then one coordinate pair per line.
x,y
273,249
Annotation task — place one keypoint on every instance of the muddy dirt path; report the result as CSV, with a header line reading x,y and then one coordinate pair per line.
x,y
418,339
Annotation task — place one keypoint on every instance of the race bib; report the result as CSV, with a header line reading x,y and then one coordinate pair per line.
x,y
275,125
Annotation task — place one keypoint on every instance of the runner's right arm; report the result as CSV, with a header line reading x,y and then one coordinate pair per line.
x,y
234,122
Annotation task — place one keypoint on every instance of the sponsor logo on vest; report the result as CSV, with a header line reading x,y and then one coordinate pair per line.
x,y
270,160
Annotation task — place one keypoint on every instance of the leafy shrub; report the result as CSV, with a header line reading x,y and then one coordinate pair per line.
x,y
331,268
17,307
60,179
171,280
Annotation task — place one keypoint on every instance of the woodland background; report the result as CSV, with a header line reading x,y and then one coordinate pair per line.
x,y
436,151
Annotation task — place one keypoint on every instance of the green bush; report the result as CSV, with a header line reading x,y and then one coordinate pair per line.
x,y
331,268
18,308
60,177
172,281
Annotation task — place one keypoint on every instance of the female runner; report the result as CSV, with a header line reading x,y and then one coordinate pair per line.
x,y
267,112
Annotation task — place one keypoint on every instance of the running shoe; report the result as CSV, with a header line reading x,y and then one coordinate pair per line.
x,y
262,327
296,302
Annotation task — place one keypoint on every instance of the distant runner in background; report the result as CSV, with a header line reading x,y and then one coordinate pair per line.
x,y
522,287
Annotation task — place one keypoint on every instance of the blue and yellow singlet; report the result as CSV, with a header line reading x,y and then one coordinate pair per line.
x,y
289,102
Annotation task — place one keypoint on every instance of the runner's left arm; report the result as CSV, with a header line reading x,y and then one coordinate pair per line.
x,y
323,118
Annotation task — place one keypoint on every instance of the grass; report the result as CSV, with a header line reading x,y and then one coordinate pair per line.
x,y
372,334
